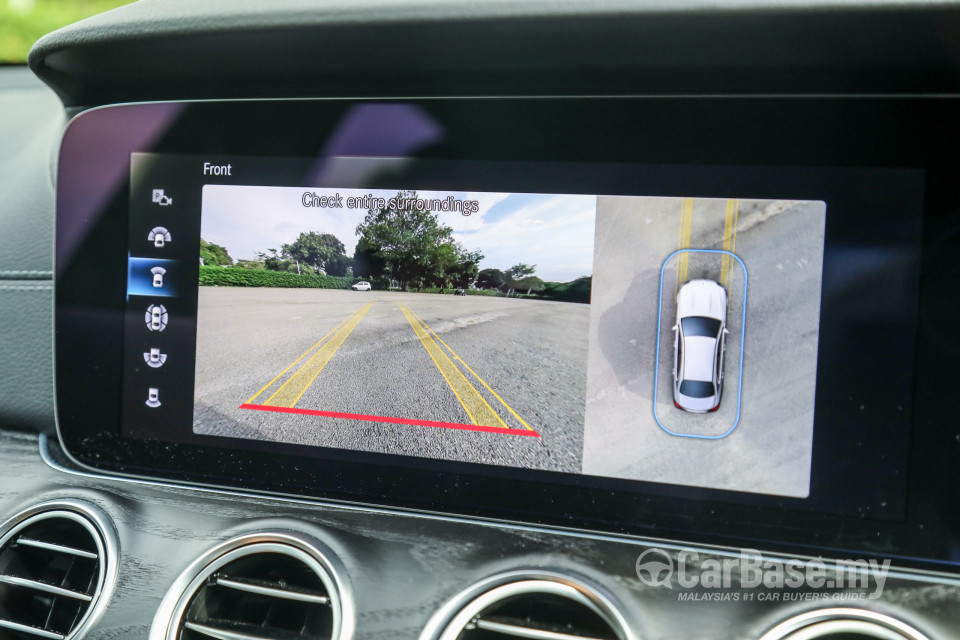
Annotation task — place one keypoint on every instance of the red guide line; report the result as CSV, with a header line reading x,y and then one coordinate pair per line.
x,y
419,423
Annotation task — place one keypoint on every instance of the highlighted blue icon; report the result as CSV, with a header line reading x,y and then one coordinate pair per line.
x,y
150,277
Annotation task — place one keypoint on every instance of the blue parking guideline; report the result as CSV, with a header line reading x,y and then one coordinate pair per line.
x,y
743,326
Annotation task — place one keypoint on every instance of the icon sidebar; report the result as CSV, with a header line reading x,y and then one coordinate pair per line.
x,y
156,317
163,233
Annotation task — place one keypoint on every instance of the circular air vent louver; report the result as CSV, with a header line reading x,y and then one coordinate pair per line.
x,y
537,608
267,587
843,624
54,565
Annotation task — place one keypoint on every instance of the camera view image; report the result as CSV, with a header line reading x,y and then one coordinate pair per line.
x,y
703,342
670,340
441,325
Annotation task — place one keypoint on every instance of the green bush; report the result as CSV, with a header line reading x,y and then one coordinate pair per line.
x,y
240,277
575,291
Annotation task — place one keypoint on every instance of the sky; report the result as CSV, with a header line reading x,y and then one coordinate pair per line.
x,y
554,232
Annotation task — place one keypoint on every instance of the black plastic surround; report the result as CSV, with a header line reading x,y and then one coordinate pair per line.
x,y
855,154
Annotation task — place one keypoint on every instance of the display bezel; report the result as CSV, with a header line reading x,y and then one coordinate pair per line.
x,y
602,137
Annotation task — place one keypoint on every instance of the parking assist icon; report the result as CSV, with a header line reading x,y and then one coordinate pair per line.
x,y
154,358
158,273
153,398
159,236
156,317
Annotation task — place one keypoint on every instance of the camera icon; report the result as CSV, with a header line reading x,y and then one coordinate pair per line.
x,y
162,199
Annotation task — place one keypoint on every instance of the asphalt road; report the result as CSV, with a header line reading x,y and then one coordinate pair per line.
x,y
781,244
515,368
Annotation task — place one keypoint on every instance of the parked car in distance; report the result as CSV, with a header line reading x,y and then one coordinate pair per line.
x,y
362,286
699,343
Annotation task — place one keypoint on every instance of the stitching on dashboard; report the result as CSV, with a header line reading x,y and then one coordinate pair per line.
x,y
26,287
25,274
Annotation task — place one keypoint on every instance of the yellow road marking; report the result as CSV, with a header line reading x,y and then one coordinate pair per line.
x,y
686,223
472,372
293,389
733,243
292,364
478,409
729,240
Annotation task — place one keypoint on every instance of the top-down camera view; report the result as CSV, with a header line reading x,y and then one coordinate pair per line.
x,y
703,342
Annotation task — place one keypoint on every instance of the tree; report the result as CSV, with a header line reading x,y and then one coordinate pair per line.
x,y
440,265
273,261
515,274
409,242
491,279
520,271
530,283
321,251
367,263
467,269
214,255
452,266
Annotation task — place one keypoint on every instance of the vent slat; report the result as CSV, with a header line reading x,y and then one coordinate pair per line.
x,y
262,591
43,586
534,608
223,634
528,633
22,628
272,591
51,572
49,546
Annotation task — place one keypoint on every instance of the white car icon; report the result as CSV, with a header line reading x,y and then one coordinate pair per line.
x,y
699,344
362,286
156,317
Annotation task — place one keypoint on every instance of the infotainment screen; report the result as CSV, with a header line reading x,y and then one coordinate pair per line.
x,y
711,333
626,337
661,339
668,340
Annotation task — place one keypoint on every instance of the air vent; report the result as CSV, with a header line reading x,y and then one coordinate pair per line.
x,y
536,608
276,587
843,624
53,569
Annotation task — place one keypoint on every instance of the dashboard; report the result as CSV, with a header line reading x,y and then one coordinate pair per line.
x,y
456,321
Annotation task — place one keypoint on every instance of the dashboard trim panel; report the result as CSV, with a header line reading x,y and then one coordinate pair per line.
x,y
937,577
